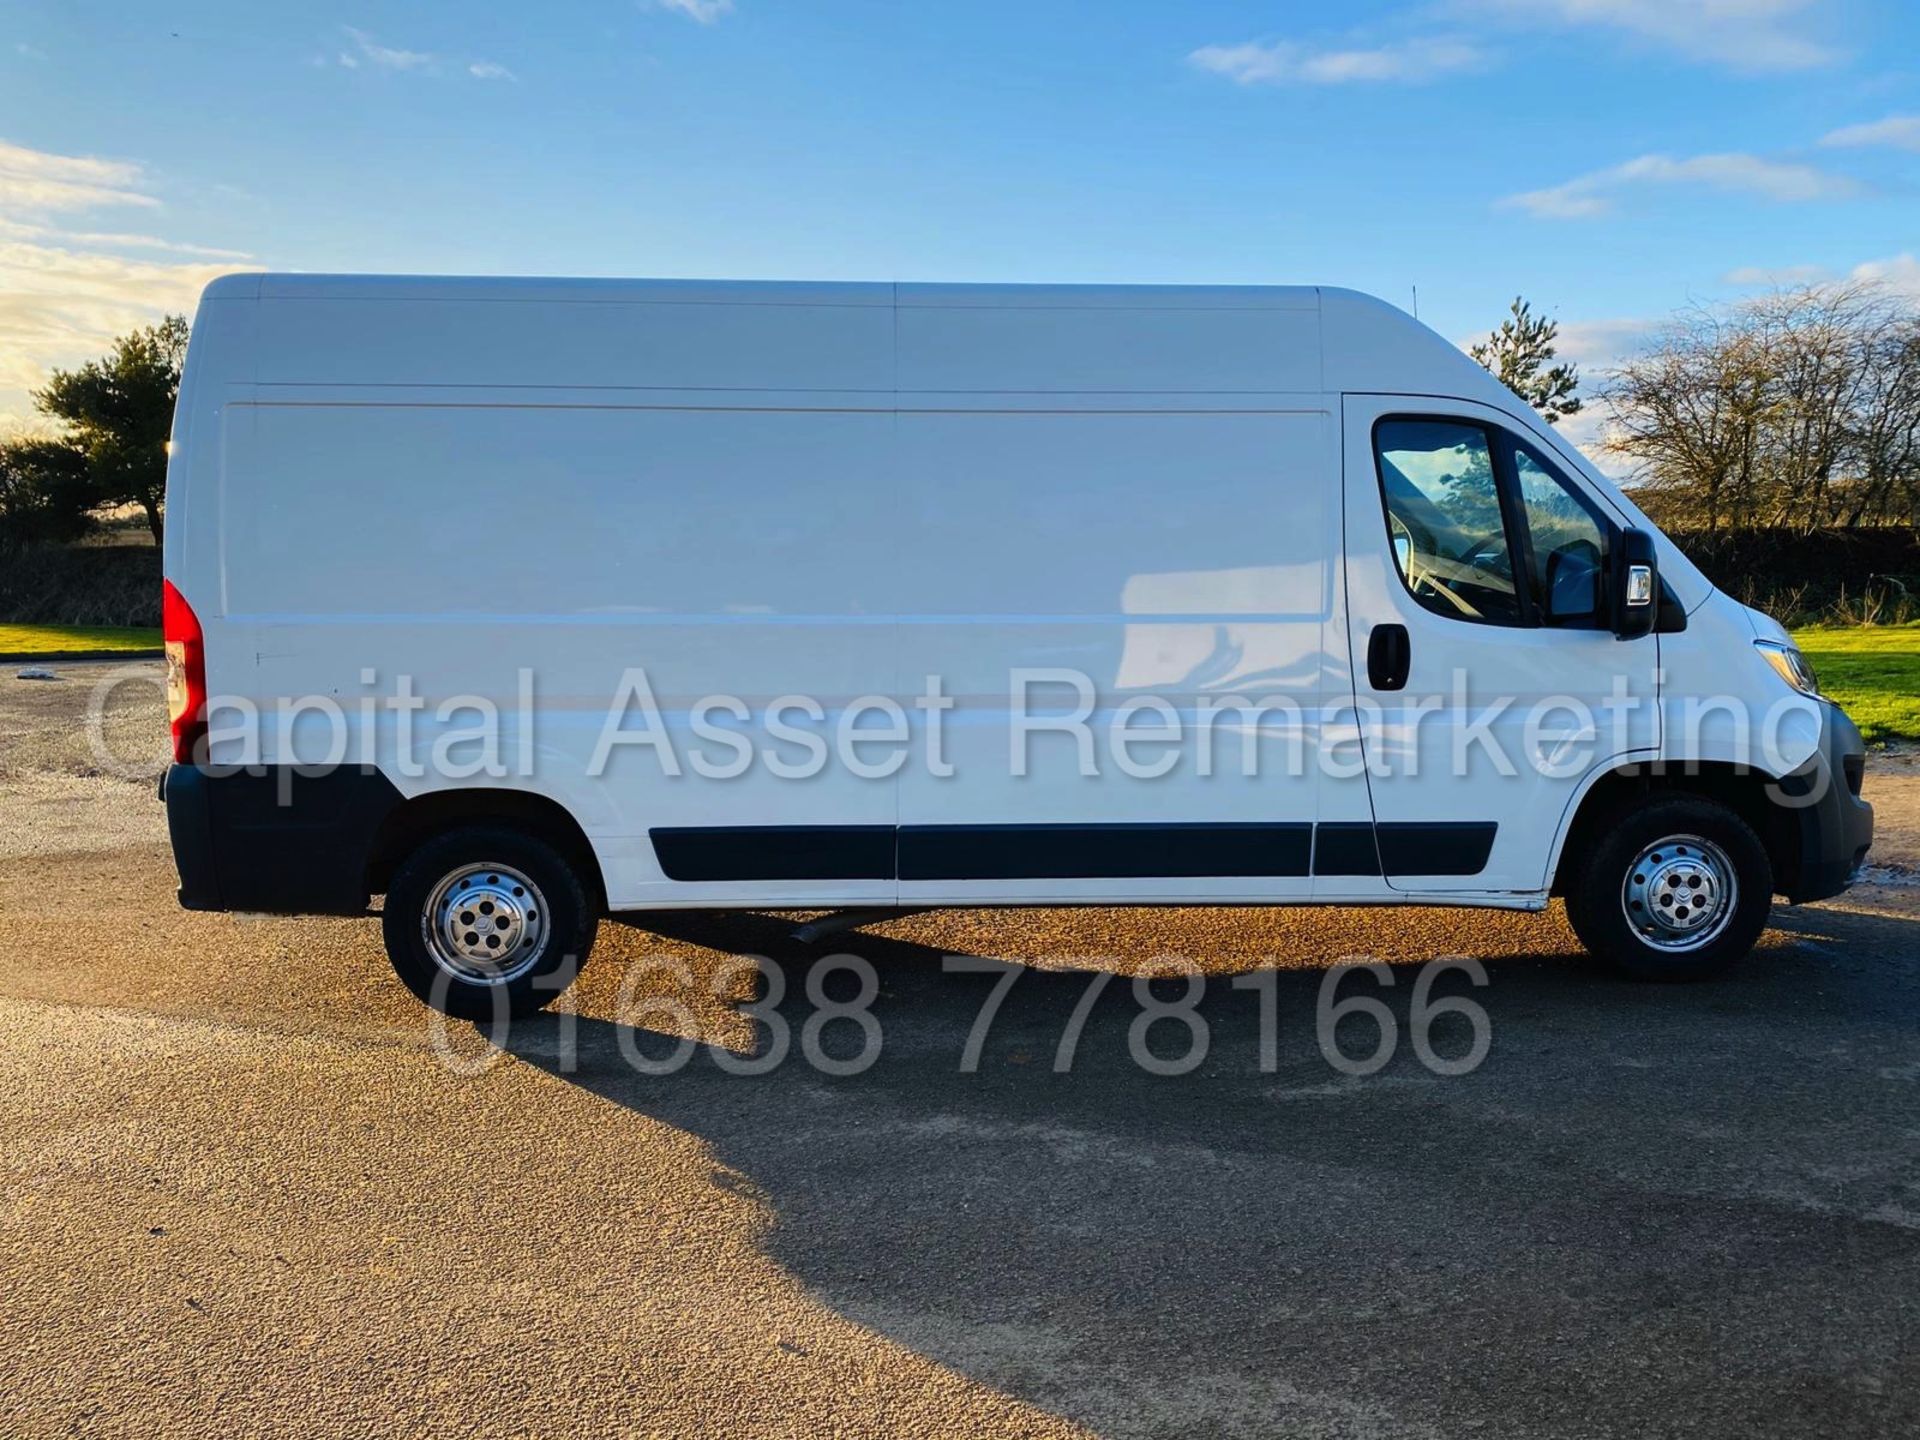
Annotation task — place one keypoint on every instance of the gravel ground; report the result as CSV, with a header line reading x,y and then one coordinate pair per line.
x,y
247,1191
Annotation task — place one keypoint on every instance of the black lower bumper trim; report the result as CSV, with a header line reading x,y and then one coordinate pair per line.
x,y
277,838
190,828
1833,826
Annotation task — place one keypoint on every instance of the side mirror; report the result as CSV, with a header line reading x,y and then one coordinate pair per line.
x,y
1573,584
1635,591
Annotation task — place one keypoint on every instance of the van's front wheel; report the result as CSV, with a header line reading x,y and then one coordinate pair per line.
x,y
486,921
1675,888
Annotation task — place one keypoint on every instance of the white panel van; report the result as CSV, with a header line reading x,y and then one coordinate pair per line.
x,y
520,602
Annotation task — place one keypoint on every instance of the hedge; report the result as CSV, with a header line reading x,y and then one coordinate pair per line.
x,y
80,585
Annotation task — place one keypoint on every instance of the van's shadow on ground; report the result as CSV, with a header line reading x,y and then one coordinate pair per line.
x,y
1652,1209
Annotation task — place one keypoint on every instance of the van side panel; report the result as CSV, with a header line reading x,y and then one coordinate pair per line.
x,y
545,559
1178,557
590,343
954,340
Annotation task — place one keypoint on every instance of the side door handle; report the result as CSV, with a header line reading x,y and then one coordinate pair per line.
x,y
1389,657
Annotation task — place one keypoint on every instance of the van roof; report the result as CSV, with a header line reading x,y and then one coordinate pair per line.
x,y
290,286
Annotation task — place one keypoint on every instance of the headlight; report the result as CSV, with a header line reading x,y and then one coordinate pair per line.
x,y
1790,665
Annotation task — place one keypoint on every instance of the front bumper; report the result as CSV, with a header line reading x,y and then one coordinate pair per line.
x,y
1833,826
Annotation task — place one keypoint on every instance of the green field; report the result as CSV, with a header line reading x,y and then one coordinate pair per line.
x,y
75,639
1873,673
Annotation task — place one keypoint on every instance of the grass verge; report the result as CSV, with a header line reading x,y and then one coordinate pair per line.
x,y
1873,673
75,639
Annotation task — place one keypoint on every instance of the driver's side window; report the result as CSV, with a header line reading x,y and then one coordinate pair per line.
x,y
1444,517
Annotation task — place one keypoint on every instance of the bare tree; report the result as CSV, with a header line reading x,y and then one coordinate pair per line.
x,y
1800,410
1887,425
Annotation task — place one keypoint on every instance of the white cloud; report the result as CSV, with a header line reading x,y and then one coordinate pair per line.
x,y
705,12
370,52
1748,277
31,52
1597,345
1899,273
1589,195
38,181
1587,430
65,293
112,240
62,306
1902,132
1286,62
1747,35
384,57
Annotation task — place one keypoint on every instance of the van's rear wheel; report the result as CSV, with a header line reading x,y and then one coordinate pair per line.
x,y
487,921
1675,888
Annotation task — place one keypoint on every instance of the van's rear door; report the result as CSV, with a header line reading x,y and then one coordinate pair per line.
x,y
1489,682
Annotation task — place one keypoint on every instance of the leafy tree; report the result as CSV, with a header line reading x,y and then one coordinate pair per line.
x,y
118,411
1519,354
46,492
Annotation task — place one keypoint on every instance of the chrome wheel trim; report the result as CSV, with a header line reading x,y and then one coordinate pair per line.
x,y
485,924
1679,894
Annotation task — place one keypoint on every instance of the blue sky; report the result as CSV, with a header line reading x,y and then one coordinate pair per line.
x,y
1610,159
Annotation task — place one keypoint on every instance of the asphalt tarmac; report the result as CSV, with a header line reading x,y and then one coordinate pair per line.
x,y
249,1189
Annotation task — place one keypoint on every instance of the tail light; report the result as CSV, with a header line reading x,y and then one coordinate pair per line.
x,y
186,672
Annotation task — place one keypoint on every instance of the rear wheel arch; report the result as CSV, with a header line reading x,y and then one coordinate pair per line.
x,y
414,822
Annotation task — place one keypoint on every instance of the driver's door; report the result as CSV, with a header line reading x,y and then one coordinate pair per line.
x,y
1503,686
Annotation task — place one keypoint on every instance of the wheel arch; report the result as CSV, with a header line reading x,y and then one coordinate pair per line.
x,y
413,822
1742,789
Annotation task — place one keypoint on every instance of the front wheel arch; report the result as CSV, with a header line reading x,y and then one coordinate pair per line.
x,y
1744,791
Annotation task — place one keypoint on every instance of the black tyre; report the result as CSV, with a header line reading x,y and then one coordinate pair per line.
x,y
488,921
1675,887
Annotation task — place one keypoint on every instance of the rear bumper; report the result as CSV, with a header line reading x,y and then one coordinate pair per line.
x,y
1834,826
276,838
190,827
